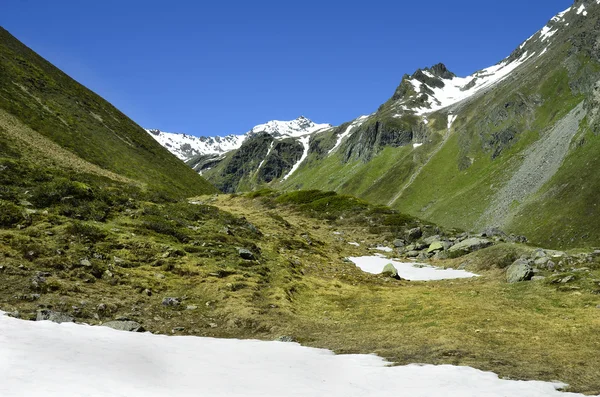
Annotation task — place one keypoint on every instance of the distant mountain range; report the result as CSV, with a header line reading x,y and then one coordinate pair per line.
x,y
512,146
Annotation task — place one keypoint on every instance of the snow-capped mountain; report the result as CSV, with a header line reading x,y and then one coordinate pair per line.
x,y
186,146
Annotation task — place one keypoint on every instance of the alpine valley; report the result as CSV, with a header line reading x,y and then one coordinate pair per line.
x,y
458,226
512,146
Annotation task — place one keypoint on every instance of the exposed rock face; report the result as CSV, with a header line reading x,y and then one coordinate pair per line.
x,y
282,157
519,271
368,139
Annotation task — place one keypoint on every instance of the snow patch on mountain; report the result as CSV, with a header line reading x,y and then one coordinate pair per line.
x,y
304,141
456,89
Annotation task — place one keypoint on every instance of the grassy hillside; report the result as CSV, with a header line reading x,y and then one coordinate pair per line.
x,y
49,102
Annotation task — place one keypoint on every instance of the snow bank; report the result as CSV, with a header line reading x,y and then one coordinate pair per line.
x,y
61,360
409,271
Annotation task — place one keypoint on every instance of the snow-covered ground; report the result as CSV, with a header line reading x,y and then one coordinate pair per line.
x,y
408,271
44,359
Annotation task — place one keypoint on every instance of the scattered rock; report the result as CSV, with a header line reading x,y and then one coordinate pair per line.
x,y
191,307
566,279
390,271
430,240
14,314
441,255
414,234
85,263
285,338
412,254
519,271
178,329
171,302
435,246
398,243
470,245
125,325
550,265
55,317
598,307
147,292
246,254
538,278
212,325
541,261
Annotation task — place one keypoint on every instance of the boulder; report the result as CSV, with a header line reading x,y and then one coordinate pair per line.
x,y
246,254
414,234
125,325
398,243
519,271
55,317
430,240
390,271
412,254
470,245
436,246
169,301
541,261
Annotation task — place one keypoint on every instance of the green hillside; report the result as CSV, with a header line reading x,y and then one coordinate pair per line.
x,y
47,101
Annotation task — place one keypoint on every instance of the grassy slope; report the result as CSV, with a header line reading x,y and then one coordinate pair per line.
x,y
59,108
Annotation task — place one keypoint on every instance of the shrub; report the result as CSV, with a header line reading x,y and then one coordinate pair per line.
x,y
85,231
10,214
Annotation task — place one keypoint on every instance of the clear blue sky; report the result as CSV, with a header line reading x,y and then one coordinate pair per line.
x,y
215,67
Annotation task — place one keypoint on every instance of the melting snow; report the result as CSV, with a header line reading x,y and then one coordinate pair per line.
x,y
57,360
451,119
354,244
547,32
409,271
416,145
268,152
304,141
581,9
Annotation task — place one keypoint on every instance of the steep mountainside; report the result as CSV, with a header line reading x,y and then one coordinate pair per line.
x,y
60,113
513,146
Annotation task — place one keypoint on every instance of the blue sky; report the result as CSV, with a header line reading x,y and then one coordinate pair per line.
x,y
210,67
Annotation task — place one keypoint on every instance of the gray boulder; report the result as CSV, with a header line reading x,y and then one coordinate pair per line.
x,y
125,325
430,240
55,317
519,271
246,254
412,254
390,271
398,243
414,234
169,301
470,245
